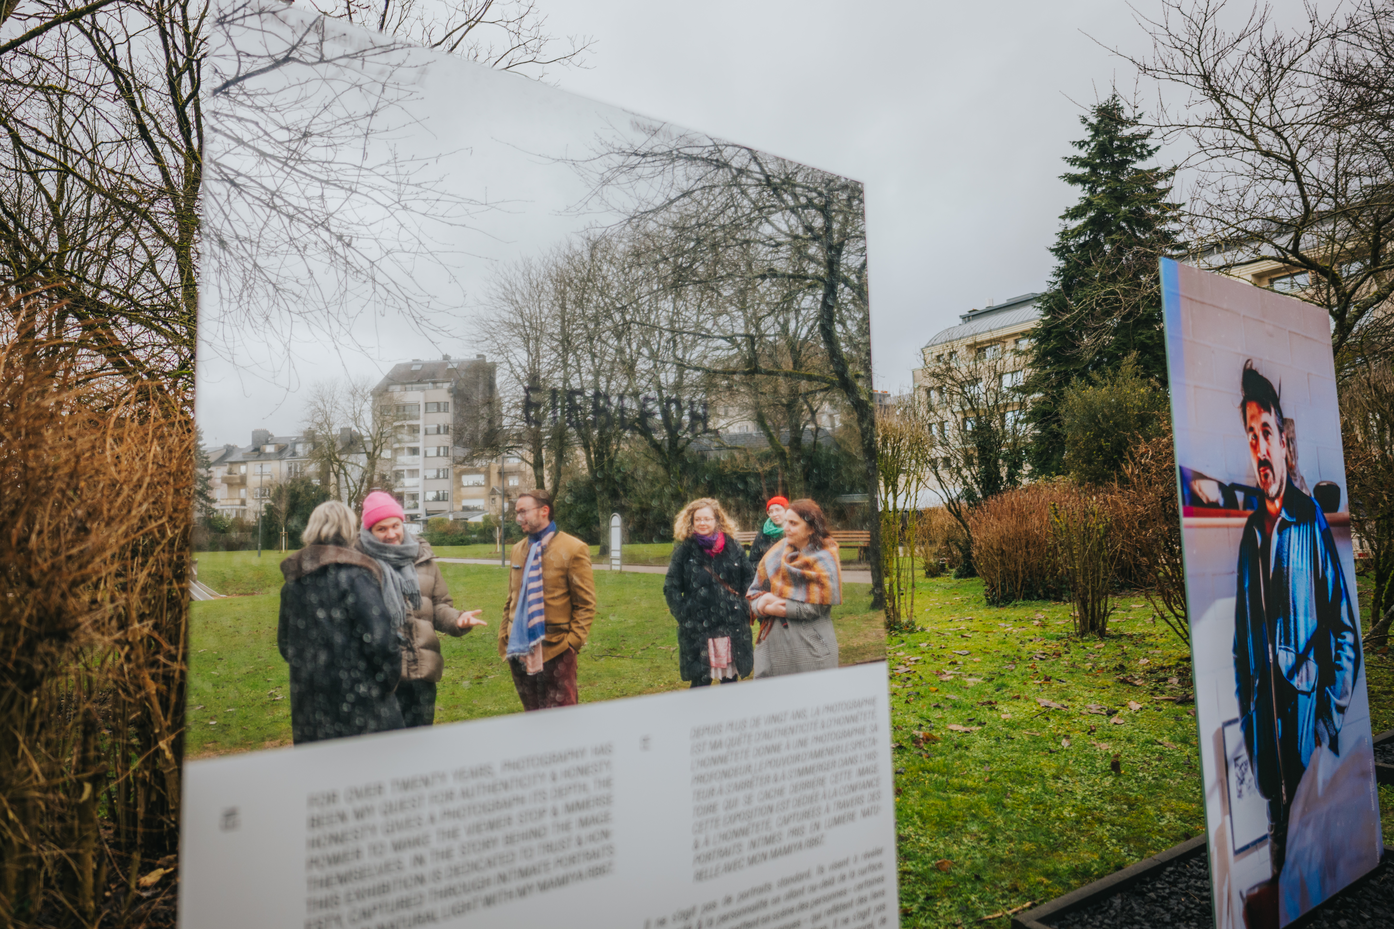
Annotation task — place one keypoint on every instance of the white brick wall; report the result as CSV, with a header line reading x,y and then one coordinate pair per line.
x,y
1224,323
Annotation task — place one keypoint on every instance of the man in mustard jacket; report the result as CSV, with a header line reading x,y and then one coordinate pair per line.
x,y
551,602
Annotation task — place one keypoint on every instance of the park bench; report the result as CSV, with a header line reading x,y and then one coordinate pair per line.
x,y
861,538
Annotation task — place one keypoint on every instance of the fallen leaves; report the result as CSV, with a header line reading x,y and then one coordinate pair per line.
x,y
151,879
955,727
1117,720
1102,746
1134,705
1051,704
943,864
923,738
1001,914
1097,709
1064,743
962,652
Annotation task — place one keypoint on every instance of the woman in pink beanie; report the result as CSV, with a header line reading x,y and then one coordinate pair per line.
x,y
418,600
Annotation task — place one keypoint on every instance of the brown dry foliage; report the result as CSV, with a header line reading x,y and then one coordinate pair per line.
x,y
1147,521
939,541
1013,549
96,489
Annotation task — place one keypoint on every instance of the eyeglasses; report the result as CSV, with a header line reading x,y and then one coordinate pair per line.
x,y
519,511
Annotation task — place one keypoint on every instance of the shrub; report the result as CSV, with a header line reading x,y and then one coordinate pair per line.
x,y
1088,552
1145,504
1104,419
1013,549
940,541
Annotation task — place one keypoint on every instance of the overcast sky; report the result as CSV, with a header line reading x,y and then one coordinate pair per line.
x,y
955,116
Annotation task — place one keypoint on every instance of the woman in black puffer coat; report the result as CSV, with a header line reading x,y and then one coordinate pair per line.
x,y
345,656
707,578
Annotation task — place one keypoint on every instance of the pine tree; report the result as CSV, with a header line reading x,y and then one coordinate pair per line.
x,y
1104,300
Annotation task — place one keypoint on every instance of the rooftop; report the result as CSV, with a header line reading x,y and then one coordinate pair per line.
x,y
1012,312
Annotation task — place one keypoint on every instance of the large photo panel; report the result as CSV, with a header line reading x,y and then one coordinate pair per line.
x,y
433,289
512,401
1291,805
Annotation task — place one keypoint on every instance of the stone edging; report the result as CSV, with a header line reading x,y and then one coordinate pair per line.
x,y
1107,886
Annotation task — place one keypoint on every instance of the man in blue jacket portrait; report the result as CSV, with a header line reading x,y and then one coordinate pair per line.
x,y
1296,644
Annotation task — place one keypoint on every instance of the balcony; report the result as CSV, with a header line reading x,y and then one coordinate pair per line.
x,y
235,480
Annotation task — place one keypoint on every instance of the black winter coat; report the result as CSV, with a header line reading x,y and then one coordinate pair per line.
x,y
760,547
705,609
345,657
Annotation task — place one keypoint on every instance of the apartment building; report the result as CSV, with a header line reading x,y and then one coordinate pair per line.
x,y
1001,330
441,413
243,476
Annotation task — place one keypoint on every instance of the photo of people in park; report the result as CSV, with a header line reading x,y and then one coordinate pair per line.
x,y
570,405
1285,735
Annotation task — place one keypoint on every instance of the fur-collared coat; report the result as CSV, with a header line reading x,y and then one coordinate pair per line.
x,y
345,658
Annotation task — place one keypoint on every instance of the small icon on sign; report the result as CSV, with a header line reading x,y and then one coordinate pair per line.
x,y
230,820
644,743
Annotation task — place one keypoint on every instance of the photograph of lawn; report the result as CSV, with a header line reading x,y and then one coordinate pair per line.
x,y
238,683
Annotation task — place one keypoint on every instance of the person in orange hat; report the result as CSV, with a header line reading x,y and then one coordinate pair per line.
x,y
772,531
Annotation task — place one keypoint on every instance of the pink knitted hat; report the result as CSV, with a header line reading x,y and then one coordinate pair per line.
x,y
379,506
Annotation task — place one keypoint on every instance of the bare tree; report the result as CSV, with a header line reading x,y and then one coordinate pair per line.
x,y
527,330
972,408
1293,134
510,35
1367,427
351,432
905,449
102,116
805,230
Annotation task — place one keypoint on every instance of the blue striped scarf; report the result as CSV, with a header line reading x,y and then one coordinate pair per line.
x,y
529,619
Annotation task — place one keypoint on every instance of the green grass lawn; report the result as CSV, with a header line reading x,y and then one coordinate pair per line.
x,y
1020,804
238,696
1021,807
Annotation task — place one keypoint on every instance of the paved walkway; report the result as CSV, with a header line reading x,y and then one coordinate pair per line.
x,y
848,577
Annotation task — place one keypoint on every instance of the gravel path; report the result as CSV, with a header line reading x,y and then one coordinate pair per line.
x,y
1178,896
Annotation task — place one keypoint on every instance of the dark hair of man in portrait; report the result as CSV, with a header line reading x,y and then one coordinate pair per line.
x,y
1258,389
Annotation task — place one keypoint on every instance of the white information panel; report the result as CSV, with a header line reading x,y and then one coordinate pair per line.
x,y
765,804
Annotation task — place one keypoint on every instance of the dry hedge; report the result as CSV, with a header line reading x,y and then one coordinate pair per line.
x,y
1013,549
96,491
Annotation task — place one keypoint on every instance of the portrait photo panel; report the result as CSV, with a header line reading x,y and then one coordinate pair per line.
x,y
1286,753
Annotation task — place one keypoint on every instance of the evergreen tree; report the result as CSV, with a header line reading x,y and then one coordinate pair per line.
x,y
1104,300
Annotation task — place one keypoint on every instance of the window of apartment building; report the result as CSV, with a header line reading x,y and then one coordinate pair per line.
x,y
437,496
437,428
437,474
261,493
1024,343
241,469
471,480
988,351
442,406
513,481
407,409
295,468
411,501
242,493
408,451
513,459
436,451
1013,378
1290,283
408,429
1015,418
